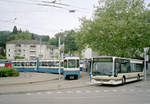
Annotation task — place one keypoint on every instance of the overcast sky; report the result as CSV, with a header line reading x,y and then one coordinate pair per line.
x,y
44,20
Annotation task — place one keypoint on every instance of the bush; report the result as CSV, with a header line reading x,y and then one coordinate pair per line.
x,y
8,71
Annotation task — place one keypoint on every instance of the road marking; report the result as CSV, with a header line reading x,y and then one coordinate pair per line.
x,y
131,90
48,92
78,91
39,93
114,90
87,91
97,91
59,92
28,94
106,91
69,92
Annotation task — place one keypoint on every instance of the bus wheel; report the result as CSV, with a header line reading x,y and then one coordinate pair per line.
x,y
138,77
123,80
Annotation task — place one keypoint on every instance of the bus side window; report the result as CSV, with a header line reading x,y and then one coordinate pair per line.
x,y
118,68
128,68
139,67
123,68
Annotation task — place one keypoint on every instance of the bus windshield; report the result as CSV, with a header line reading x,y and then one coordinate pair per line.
x,y
102,68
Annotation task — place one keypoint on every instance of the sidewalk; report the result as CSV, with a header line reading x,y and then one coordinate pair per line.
x,y
27,77
35,82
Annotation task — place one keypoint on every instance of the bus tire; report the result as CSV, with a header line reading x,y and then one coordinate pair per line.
x,y
123,80
138,77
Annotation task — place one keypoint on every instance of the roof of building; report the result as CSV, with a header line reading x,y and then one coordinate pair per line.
x,y
30,42
24,42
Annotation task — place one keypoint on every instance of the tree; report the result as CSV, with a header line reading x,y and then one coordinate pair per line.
x,y
118,28
21,36
68,38
15,30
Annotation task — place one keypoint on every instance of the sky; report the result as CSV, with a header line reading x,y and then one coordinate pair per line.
x,y
44,20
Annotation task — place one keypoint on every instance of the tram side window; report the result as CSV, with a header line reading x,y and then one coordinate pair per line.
x,y
18,64
33,64
22,63
50,64
65,63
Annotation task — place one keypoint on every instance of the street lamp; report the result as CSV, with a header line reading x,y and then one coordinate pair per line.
x,y
145,59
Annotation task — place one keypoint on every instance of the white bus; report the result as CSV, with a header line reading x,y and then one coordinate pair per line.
x,y
71,68
115,70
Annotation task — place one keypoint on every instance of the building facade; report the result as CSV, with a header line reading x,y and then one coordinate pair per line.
x,y
30,50
87,53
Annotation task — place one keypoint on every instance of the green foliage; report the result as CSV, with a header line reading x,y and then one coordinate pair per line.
x,y
18,57
53,41
118,28
15,31
3,38
68,38
2,57
8,71
21,36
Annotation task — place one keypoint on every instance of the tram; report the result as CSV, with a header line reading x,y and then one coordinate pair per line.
x,y
44,66
71,68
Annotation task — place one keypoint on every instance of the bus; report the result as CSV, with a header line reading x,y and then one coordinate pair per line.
x,y
71,68
116,70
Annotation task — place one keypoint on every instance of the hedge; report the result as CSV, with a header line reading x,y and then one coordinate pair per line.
x,y
8,71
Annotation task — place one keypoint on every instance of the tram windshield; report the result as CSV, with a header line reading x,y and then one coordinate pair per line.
x,y
71,63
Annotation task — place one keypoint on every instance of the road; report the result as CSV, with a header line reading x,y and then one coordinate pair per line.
x,y
133,93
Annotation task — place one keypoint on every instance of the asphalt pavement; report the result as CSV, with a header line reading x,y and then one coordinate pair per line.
x,y
29,82
34,82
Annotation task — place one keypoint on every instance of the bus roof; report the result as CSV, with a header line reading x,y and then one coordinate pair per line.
x,y
136,61
110,57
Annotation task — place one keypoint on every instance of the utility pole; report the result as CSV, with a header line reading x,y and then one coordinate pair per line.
x,y
59,47
145,59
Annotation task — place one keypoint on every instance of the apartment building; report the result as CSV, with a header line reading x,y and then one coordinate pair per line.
x,y
30,50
